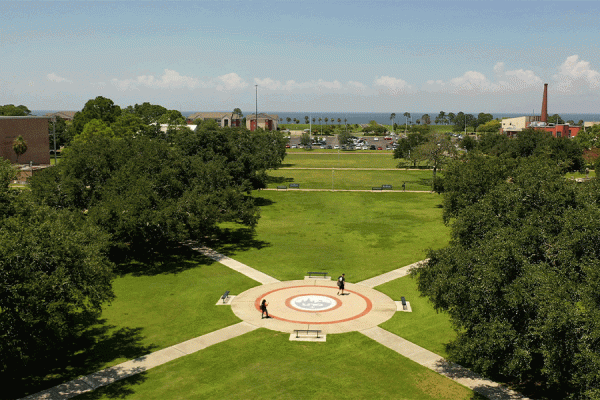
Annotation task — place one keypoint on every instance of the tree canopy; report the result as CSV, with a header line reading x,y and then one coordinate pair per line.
x,y
520,276
10,110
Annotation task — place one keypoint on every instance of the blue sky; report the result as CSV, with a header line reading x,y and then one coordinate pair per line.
x,y
308,56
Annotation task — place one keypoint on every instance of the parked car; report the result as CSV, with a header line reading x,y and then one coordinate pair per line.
x,y
329,146
294,146
365,147
323,146
336,147
380,148
287,146
376,138
372,147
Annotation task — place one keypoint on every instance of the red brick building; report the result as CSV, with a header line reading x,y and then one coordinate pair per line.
x,y
34,131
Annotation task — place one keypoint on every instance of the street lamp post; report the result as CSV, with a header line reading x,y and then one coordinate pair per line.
x,y
256,111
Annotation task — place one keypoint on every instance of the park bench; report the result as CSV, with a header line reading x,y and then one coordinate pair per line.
x,y
323,274
403,302
307,331
388,187
376,188
295,185
226,295
282,187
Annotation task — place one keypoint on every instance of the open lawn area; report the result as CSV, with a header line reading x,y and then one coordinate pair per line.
x,y
170,297
338,159
351,180
265,365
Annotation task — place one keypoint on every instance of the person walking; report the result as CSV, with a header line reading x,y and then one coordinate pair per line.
x,y
404,186
340,282
263,308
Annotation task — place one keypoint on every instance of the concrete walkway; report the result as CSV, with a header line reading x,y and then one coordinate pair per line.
x,y
235,265
141,364
426,358
389,276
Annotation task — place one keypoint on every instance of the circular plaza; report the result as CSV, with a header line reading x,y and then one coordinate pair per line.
x,y
314,304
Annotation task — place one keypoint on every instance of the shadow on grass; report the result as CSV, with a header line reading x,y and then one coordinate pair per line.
x,y
118,390
230,241
82,355
170,259
278,179
262,202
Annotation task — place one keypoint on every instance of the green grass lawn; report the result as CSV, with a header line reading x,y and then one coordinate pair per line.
x,y
165,300
266,365
339,159
361,234
351,180
170,297
423,326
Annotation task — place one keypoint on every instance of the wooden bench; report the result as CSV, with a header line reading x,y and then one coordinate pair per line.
x,y
323,274
403,302
226,295
295,185
386,187
307,331
282,187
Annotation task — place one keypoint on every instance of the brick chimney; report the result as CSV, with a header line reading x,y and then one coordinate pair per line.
x,y
545,104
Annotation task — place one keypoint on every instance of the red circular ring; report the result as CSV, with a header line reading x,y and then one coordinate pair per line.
x,y
366,311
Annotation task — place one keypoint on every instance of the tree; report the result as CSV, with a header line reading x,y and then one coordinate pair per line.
x,y
451,118
589,138
326,120
10,110
426,119
344,138
468,143
19,146
339,121
94,127
305,138
288,120
129,125
437,150
555,119
490,126
520,277
238,111
306,119
483,118
54,272
99,108
407,117
441,118
149,113
408,144
313,120
320,119
392,117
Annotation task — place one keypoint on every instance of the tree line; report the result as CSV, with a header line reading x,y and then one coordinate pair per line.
x,y
520,278
122,188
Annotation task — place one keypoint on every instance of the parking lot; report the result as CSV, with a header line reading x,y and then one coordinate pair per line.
x,y
331,142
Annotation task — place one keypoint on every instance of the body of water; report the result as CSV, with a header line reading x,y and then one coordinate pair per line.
x,y
382,118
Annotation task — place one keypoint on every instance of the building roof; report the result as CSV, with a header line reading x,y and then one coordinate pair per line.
x,y
63,114
213,115
263,116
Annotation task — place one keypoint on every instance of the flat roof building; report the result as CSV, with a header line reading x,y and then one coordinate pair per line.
x,y
34,131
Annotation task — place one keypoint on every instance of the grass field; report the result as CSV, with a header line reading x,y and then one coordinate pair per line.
x,y
338,159
170,297
266,365
351,180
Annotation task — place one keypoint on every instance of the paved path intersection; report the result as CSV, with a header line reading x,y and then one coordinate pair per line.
x,y
302,304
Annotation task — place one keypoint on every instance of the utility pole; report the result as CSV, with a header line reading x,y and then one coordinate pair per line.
x,y
54,135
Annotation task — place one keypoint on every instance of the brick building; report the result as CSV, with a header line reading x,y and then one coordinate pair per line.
x,y
265,121
34,131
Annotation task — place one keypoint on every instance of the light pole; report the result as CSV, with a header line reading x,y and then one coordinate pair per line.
x,y
256,112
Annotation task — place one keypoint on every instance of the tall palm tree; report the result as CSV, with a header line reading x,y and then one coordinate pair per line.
x,y
320,119
306,119
407,116
288,119
19,146
392,117
339,121
326,120
314,120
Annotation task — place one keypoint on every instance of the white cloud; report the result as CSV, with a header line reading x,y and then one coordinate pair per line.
x,y
169,80
231,81
513,81
55,78
319,84
576,76
391,84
